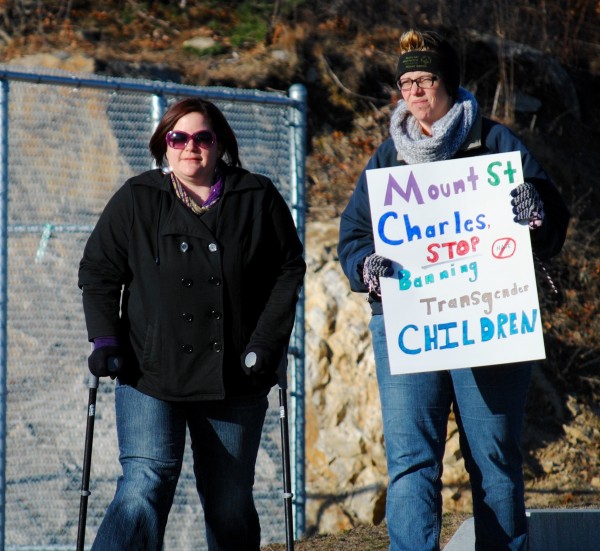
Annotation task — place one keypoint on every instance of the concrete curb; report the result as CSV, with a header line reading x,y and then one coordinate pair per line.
x,y
549,530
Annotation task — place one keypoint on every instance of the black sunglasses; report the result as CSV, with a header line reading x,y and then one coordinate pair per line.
x,y
178,139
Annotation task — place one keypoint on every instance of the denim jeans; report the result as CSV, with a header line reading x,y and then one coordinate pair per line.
x,y
225,438
489,406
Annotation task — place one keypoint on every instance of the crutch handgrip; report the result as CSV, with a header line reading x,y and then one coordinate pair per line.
x,y
114,364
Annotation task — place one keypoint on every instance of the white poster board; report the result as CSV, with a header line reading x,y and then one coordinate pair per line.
x,y
463,293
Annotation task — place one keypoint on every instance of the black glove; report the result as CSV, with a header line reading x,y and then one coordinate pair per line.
x,y
259,360
105,361
375,267
527,205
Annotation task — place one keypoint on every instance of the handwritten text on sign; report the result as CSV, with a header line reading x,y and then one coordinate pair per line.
x,y
463,292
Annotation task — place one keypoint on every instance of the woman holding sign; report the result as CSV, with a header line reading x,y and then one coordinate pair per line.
x,y
437,120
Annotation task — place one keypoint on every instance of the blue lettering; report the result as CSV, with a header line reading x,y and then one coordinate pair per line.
x,y
381,229
446,327
502,321
404,281
431,340
411,231
404,349
512,318
526,326
465,328
487,329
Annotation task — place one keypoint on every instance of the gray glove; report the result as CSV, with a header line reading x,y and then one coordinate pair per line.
x,y
527,205
375,267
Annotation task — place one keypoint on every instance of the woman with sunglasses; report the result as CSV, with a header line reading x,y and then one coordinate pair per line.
x,y
191,276
436,120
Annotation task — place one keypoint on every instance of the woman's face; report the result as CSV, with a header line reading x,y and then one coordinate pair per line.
x,y
193,165
427,105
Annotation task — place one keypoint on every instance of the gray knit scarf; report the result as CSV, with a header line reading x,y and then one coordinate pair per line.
x,y
448,134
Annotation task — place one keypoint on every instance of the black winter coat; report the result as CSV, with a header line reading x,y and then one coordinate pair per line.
x,y
186,294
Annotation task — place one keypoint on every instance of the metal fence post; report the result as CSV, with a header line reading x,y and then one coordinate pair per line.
x,y
159,107
3,295
298,169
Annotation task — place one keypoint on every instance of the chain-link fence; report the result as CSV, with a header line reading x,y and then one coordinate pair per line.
x,y
66,144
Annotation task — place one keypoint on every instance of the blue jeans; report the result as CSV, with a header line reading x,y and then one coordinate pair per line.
x,y
225,438
489,406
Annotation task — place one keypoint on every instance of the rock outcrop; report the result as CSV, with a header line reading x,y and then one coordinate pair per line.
x,y
346,473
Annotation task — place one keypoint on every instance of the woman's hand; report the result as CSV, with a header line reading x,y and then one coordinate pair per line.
x,y
259,360
527,205
105,361
374,268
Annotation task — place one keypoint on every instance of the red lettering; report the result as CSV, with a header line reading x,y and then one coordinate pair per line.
x,y
459,248
434,257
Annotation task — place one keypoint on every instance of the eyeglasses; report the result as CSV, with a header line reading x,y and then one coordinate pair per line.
x,y
178,139
421,82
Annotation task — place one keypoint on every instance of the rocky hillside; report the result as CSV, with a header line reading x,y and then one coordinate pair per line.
x,y
540,75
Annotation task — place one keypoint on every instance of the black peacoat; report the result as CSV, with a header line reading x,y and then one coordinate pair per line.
x,y
186,294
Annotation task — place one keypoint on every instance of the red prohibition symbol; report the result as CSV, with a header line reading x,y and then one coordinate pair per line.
x,y
504,247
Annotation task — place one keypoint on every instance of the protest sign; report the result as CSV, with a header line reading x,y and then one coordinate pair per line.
x,y
463,293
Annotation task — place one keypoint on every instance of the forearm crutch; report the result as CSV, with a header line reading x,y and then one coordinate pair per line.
x,y
114,365
285,455
87,461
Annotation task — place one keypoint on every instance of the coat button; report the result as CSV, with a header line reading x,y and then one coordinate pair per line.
x,y
216,315
183,247
212,247
187,317
217,346
187,348
186,282
214,280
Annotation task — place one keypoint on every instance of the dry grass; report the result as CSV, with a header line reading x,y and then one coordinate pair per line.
x,y
365,538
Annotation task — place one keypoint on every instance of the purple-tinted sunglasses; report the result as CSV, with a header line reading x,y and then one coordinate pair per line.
x,y
178,139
